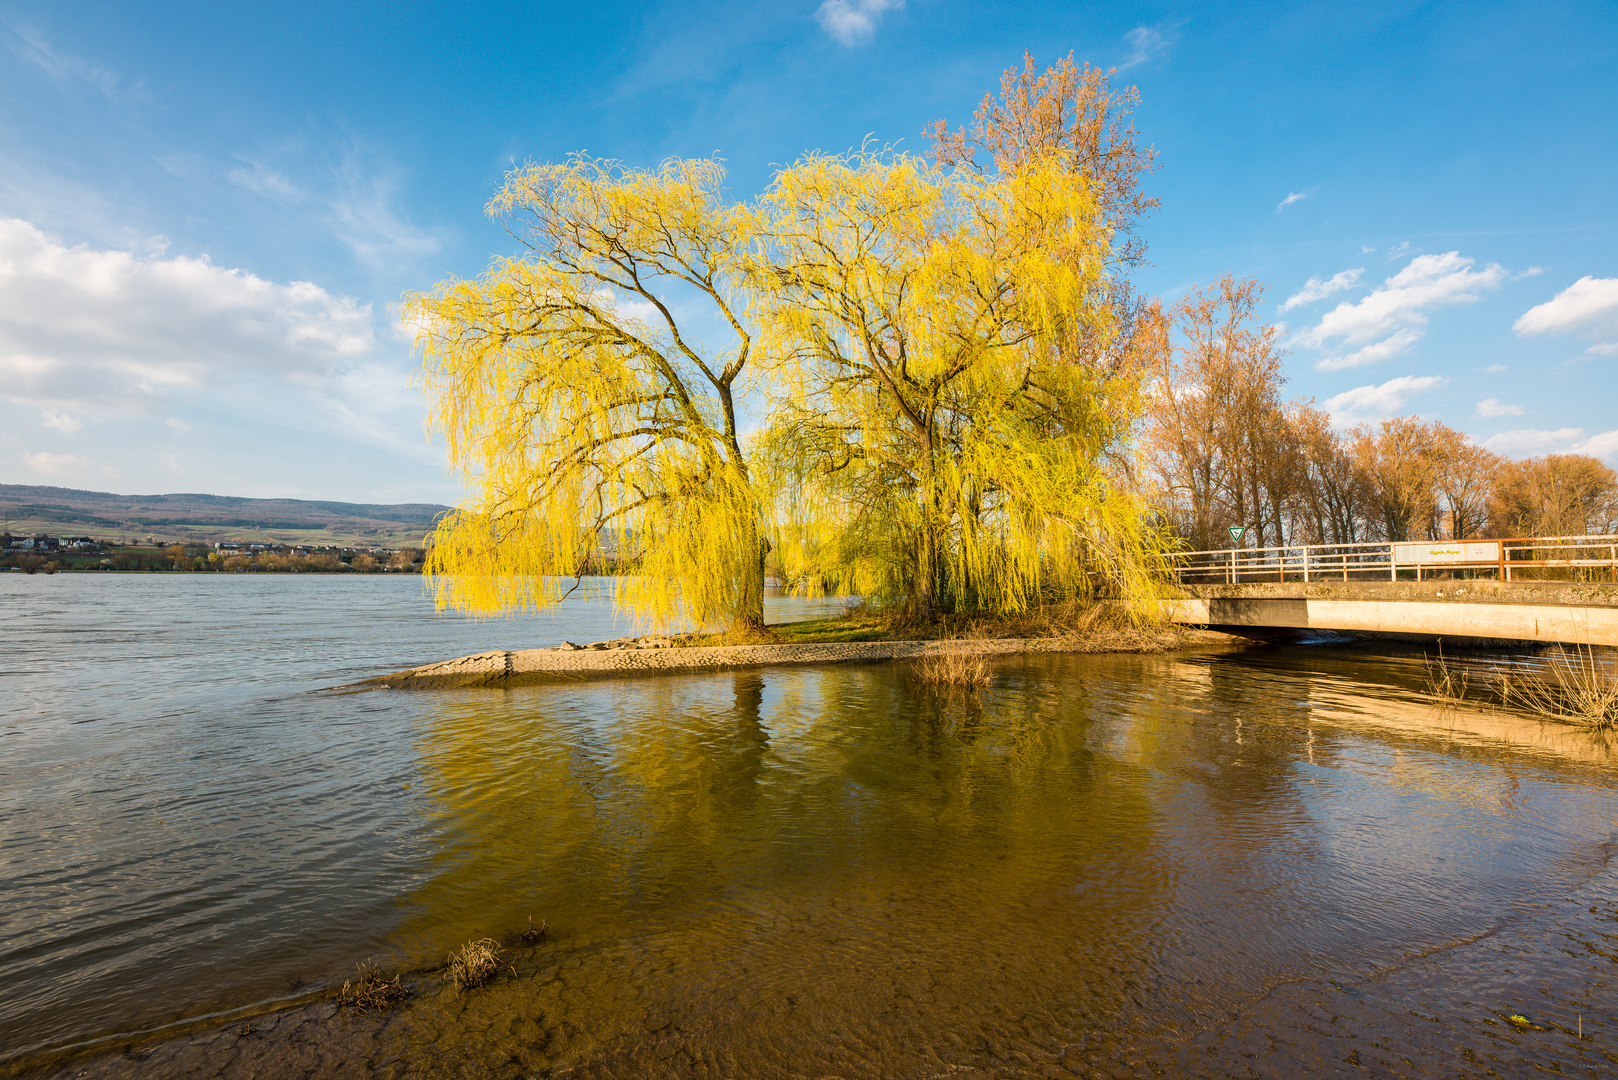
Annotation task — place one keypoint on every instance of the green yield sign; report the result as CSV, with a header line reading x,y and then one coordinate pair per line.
x,y
1236,533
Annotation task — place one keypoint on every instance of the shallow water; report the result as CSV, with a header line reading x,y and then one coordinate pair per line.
x,y
1211,863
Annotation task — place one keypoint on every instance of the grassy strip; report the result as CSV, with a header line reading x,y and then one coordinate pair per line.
x,y
1100,627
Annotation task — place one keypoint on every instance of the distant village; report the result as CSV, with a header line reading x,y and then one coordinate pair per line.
x,y
41,553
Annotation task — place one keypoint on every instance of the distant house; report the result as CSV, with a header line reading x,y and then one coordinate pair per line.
x,y
33,543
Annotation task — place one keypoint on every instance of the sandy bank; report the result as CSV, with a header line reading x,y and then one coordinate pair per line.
x,y
641,655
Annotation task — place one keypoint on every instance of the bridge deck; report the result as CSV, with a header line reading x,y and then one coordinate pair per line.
x,y
1541,611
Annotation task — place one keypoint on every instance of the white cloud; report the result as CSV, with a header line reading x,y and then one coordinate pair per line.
x,y
1375,402
1588,307
1292,197
1145,44
1528,441
62,422
112,329
1493,369
1399,251
853,21
1403,299
48,464
1318,289
1491,407
1604,446
1374,353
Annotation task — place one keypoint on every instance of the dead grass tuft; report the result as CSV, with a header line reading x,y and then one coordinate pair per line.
x,y
534,934
371,989
1578,686
475,964
956,668
1446,682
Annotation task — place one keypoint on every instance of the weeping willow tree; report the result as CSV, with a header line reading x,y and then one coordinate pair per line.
x,y
952,431
583,416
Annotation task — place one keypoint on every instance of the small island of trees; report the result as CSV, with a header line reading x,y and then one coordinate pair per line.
x,y
923,379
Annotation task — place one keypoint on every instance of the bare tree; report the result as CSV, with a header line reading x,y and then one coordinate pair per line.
x,y
1217,438
1556,495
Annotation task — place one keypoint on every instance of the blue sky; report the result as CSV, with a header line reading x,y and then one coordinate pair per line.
x,y
209,211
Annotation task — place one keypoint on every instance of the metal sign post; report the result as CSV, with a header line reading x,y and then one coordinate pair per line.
x,y
1236,534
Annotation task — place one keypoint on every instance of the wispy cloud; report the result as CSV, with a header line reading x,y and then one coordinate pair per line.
x,y
1493,369
1292,197
1588,307
1319,288
1403,300
1145,44
365,216
1376,402
1375,353
358,202
33,47
1489,408
853,22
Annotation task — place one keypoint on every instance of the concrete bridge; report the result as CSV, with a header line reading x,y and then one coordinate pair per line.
x,y
1480,609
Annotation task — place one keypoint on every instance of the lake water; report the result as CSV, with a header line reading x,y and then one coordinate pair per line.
x,y
1270,860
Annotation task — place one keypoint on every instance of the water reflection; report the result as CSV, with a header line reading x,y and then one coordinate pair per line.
x,y
778,872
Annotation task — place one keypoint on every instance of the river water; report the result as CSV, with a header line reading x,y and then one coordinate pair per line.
x,y
1273,860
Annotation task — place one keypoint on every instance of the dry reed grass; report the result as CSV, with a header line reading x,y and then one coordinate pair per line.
x,y
534,934
475,964
956,668
371,989
1578,686
1447,682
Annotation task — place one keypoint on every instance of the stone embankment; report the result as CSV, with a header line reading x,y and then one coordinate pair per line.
x,y
653,654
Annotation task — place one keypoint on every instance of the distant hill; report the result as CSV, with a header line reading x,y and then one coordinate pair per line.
x,y
199,518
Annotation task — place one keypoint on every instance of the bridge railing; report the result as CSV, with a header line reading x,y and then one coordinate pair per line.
x,y
1577,558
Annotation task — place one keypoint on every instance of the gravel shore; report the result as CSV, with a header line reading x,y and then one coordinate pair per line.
x,y
651,655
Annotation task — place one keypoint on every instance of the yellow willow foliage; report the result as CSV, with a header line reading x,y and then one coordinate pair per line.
x,y
950,430
583,429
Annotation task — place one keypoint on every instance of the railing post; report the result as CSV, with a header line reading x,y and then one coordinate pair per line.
x,y
1393,563
1306,564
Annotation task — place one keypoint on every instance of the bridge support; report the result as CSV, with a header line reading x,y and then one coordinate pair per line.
x,y
1538,612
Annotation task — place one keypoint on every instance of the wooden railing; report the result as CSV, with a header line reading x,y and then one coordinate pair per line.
x,y
1580,558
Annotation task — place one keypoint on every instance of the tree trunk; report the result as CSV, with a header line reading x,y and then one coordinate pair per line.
x,y
750,602
923,594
